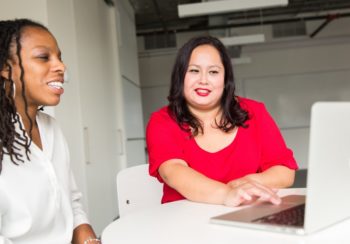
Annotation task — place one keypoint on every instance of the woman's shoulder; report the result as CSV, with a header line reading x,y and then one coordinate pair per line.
x,y
161,120
162,115
255,109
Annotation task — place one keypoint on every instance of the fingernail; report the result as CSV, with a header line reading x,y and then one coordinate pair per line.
x,y
277,200
248,197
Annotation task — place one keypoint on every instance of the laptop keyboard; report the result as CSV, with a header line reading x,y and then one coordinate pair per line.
x,y
291,217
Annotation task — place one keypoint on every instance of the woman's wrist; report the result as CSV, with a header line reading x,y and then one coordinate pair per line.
x,y
225,192
84,234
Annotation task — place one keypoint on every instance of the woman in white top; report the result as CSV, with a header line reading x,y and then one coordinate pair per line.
x,y
39,201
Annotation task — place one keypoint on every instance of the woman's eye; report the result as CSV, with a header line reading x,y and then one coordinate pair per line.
x,y
43,57
193,70
213,72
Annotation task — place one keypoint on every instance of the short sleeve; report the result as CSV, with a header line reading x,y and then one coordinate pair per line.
x,y
164,141
274,150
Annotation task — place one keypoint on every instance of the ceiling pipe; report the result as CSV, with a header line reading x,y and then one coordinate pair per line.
x,y
244,24
324,24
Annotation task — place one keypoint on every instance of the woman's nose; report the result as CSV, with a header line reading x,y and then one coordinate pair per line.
x,y
203,79
60,66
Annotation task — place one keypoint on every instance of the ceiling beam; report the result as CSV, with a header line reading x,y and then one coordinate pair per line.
x,y
225,6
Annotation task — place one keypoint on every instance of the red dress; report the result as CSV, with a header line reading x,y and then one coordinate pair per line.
x,y
254,149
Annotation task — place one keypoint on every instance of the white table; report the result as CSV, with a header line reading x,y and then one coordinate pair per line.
x,y
183,222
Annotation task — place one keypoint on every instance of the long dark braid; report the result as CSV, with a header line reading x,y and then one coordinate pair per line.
x,y
11,142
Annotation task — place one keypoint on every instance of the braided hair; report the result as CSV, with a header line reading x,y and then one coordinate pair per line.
x,y
12,141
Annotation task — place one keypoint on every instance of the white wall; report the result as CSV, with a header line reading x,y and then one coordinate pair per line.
x,y
287,74
34,9
91,111
134,128
155,70
99,83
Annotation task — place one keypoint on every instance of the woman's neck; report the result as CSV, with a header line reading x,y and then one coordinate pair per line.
x,y
31,113
207,116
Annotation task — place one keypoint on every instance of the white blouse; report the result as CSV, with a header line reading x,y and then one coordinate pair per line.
x,y
39,200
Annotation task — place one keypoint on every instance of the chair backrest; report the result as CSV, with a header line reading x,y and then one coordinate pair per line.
x,y
136,189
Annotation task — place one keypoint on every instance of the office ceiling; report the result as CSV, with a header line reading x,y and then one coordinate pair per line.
x,y
160,16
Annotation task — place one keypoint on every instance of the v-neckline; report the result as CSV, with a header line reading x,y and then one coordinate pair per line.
x,y
232,143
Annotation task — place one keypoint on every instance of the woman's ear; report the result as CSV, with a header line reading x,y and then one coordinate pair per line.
x,y
5,72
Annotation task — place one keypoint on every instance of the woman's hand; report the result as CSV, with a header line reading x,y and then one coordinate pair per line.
x,y
245,191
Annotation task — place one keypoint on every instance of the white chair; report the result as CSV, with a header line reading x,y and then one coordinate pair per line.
x,y
136,189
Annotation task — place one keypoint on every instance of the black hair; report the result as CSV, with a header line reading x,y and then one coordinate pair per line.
x,y
12,141
233,115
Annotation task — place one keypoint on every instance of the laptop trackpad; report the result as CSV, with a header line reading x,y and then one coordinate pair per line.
x,y
262,209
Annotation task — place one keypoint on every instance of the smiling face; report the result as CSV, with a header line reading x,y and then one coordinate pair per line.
x,y
43,68
204,79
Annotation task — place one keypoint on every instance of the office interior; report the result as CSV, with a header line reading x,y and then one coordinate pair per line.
x,y
119,73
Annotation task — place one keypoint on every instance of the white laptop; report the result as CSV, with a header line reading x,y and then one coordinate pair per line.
x,y
328,181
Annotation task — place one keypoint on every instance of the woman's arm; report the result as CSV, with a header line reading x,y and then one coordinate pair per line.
x,y
275,177
191,184
199,188
83,234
